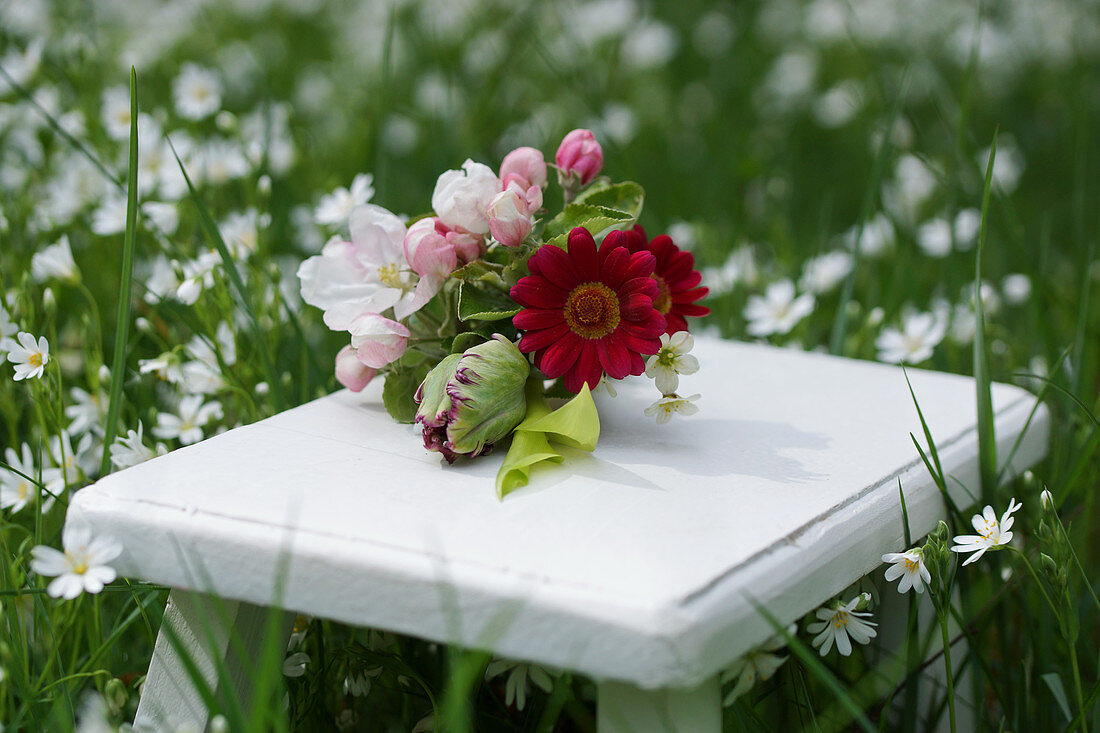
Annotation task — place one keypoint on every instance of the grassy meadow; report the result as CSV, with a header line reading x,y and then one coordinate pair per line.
x,y
835,166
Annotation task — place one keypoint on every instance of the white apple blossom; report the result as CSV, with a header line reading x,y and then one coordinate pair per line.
x,y
55,262
664,408
461,197
993,534
841,624
28,356
366,275
82,566
335,208
197,92
919,335
188,424
778,310
910,567
671,360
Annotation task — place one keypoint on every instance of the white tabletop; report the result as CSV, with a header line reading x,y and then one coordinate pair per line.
x,y
640,562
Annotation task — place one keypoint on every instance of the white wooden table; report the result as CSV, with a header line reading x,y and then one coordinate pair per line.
x,y
638,565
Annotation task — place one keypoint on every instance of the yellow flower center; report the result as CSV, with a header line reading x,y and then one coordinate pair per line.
x,y
592,310
35,359
840,620
663,301
390,276
78,563
910,566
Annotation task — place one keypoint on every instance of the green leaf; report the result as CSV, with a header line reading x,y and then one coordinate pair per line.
x,y
398,390
481,271
626,196
483,304
987,441
596,219
1054,682
122,327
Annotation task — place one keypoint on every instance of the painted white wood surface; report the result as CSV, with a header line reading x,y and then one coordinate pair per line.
x,y
642,562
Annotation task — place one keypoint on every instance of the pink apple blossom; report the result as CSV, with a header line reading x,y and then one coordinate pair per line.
x,y
461,197
377,340
579,156
352,373
524,166
511,214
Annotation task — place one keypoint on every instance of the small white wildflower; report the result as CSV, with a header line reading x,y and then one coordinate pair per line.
x,y
515,688
165,217
17,490
168,366
87,411
335,208
295,664
992,534
824,272
110,217
357,684
131,450
83,566
668,405
934,238
221,161
28,356
778,310
672,360
196,92
188,424
1016,288
759,665
919,335
968,222
115,113
909,566
55,261
841,624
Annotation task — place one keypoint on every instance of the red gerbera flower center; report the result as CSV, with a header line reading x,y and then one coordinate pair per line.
x,y
592,310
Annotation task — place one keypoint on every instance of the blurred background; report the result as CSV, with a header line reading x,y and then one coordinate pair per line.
x,y
823,160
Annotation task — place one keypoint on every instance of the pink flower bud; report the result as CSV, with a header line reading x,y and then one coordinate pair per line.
x,y
579,155
467,246
509,216
427,250
524,166
377,340
352,373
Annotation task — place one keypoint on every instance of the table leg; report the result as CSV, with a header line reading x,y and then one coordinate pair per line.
x,y
213,634
624,708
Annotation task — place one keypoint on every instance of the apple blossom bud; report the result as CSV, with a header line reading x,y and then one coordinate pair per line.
x,y
352,373
509,218
470,401
377,340
427,250
579,156
524,166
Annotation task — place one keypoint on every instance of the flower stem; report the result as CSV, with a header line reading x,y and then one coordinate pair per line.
x,y
1077,683
947,666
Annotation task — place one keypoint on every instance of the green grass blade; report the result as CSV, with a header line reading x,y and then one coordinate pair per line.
x,y
215,238
987,441
122,326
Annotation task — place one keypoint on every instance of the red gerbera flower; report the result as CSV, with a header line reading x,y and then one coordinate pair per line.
x,y
676,278
587,312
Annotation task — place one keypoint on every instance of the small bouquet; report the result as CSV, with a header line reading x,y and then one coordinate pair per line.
x,y
483,312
